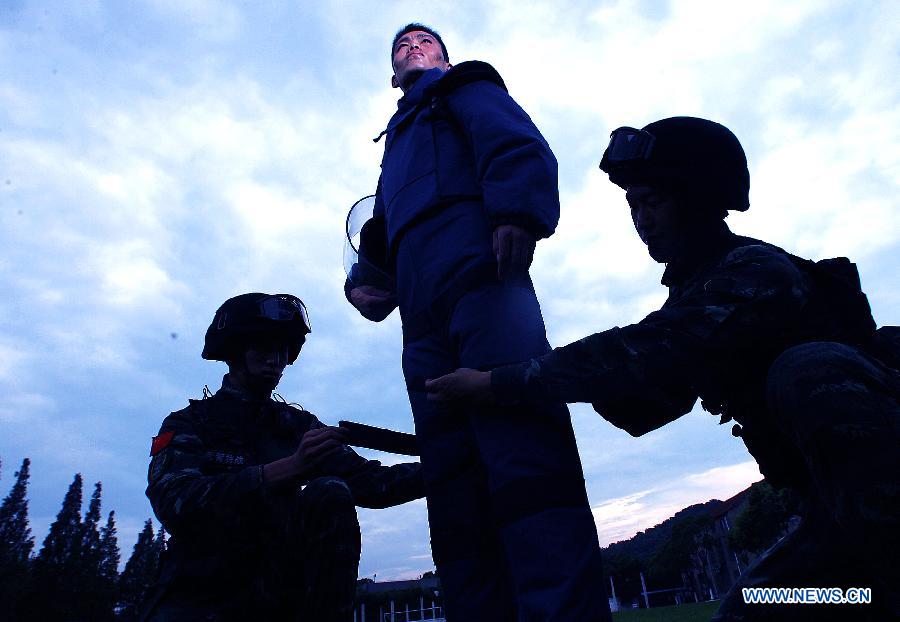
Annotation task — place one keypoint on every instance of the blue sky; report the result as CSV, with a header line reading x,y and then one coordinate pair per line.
x,y
160,156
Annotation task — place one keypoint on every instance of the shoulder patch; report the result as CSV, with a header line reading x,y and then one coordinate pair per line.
x,y
161,442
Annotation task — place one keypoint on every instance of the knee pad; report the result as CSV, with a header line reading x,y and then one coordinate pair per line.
x,y
814,371
326,496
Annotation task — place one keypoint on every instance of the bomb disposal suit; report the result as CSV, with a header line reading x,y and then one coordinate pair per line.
x,y
512,533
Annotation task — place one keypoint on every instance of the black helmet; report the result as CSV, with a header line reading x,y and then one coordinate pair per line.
x,y
701,157
256,314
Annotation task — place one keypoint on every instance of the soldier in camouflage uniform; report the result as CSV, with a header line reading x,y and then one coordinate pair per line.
x,y
259,495
785,347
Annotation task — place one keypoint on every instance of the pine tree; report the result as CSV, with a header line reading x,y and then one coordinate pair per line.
x,y
62,546
140,570
159,547
109,550
16,544
95,595
108,571
55,585
90,534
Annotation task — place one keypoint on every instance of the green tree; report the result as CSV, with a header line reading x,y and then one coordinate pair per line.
x,y
159,547
625,570
95,592
55,584
90,538
16,544
62,546
140,569
675,556
109,551
764,520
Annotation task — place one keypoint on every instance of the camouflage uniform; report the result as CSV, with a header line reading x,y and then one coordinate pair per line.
x,y
824,420
241,549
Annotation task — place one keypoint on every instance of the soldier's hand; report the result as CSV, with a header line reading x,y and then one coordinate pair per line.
x,y
317,445
465,384
514,250
375,304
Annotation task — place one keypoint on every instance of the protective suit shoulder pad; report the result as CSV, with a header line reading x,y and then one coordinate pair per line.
x,y
465,73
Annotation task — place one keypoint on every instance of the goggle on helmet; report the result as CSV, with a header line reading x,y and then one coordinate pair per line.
x,y
701,157
256,315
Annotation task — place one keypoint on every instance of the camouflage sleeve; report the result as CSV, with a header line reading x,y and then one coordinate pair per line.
x,y
372,484
647,374
183,495
377,486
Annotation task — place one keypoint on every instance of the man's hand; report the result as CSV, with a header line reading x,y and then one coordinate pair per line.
x,y
316,446
514,250
375,304
466,384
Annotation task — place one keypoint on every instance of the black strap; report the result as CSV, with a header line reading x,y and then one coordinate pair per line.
x,y
438,312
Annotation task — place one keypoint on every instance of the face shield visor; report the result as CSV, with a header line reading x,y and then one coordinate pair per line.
x,y
360,250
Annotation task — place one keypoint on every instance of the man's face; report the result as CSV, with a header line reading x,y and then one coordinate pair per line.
x,y
264,362
655,214
414,53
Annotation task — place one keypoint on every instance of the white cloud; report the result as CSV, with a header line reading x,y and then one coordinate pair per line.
x,y
12,357
17,408
622,517
214,20
21,106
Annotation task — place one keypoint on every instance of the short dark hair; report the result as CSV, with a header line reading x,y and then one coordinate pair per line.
x,y
417,26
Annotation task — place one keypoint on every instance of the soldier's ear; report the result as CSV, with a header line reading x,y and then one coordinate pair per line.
x,y
394,83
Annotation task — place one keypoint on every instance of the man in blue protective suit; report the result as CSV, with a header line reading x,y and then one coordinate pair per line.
x,y
468,185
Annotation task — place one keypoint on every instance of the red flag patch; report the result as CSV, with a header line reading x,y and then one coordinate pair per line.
x,y
161,442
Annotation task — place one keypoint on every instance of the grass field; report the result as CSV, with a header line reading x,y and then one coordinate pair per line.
x,y
693,612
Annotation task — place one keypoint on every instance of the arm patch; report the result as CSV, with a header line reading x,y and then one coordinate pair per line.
x,y
161,442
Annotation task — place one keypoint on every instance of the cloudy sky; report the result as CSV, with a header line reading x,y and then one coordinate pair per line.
x,y
160,156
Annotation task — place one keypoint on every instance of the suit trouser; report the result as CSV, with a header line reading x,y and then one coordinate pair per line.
x,y
512,533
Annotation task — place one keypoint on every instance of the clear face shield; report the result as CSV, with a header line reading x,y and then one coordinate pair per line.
x,y
358,264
